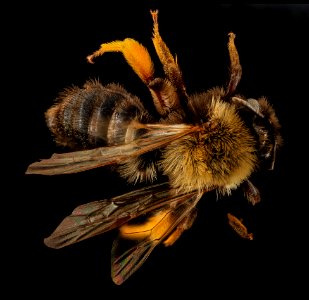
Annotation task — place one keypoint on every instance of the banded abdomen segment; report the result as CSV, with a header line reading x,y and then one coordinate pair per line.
x,y
94,115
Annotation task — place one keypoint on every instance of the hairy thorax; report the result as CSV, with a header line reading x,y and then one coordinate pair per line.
x,y
221,155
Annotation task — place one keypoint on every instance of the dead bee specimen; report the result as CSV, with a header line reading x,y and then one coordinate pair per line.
x,y
214,140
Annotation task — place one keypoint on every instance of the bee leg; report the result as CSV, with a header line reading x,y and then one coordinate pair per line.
x,y
184,225
154,228
135,54
239,227
251,192
163,93
235,67
167,93
170,66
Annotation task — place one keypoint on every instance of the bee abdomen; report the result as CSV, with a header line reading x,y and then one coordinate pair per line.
x,y
94,115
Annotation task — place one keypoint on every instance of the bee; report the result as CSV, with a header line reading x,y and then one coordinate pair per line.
x,y
208,141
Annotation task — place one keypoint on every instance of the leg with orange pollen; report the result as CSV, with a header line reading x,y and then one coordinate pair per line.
x,y
135,54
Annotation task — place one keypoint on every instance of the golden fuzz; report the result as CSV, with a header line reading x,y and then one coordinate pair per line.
x,y
222,156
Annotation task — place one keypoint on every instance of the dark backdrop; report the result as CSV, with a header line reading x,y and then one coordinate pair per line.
x,y
45,51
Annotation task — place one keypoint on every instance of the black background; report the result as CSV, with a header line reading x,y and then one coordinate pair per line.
x,y
45,51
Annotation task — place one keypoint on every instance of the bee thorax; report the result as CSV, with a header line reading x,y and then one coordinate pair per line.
x,y
221,155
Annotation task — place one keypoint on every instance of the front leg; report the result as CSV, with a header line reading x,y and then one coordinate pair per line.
x,y
235,67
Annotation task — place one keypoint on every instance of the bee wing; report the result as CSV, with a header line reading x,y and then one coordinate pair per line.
x,y
146,237
156,136
97,217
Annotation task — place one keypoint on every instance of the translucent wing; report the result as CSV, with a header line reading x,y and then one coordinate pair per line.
x,y
156,136
97,217
140,240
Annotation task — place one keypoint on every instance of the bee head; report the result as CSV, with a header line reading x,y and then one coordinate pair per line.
x,y
265,126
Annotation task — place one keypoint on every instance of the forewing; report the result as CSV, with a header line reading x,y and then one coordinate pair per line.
x,y
156,136
97,217
127,259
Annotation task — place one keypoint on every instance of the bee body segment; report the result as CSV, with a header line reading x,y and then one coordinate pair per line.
x,y
93,116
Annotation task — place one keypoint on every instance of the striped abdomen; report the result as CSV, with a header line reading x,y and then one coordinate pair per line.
x,y
94,115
